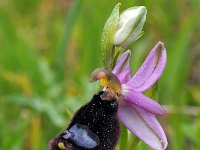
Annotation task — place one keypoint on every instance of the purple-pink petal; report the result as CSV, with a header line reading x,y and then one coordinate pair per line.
x,y
151,69
143,101
122,63
124,76
143,124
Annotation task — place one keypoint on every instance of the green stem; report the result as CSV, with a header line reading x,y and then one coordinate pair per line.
x,y
60,54
133,142
124,138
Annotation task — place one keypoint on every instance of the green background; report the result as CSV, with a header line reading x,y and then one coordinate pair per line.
x,y
48,49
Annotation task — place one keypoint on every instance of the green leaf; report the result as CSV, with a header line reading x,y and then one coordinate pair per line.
x,y
108,37
70,21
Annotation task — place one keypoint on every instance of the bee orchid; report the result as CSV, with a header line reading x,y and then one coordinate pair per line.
x,y
137,111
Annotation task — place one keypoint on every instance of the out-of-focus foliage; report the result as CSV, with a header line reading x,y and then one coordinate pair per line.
x,y
48,49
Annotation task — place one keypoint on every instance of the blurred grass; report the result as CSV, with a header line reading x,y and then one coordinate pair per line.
x,y
46,58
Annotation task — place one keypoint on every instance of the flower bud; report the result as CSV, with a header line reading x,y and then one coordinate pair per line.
x,y
130,26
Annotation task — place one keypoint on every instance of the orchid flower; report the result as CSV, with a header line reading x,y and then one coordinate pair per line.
x,y
136,111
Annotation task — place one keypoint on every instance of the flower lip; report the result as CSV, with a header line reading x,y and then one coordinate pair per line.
x,y
82,136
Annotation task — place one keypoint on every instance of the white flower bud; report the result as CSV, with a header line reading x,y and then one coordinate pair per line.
x,y
130,26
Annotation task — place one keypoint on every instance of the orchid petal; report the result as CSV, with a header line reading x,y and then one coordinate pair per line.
x,y
122,63
151,69
122,69
142,101
143,124
124,76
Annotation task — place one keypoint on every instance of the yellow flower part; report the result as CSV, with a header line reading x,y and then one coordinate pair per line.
x,y
107,79
61,146
104,81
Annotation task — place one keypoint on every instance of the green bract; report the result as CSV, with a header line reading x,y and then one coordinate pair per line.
x,y
108,37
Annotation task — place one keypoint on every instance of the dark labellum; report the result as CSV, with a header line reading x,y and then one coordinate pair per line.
x,y
82,136
94,127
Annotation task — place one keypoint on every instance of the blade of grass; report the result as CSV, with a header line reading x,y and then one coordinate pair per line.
x,y
60,54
